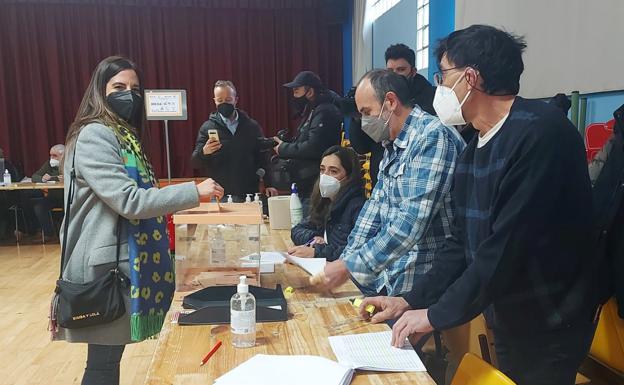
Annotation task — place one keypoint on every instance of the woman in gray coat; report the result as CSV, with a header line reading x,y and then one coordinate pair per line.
x,y
114,180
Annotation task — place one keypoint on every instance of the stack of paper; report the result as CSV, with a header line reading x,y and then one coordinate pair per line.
x,y
373,351
312,266
265,369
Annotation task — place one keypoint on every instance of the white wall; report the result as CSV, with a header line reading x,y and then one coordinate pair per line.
x,y
572,44
398,25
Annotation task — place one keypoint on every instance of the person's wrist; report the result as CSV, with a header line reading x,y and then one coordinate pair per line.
x,y
404,305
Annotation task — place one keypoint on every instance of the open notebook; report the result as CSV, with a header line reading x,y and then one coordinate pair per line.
x,y
312,266
372,351
265,369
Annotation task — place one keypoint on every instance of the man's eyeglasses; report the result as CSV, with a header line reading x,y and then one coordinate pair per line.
x,y
438,76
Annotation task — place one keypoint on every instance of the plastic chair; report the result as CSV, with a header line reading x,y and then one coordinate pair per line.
x,y
608,345
474,371
596,135
56,218
18,210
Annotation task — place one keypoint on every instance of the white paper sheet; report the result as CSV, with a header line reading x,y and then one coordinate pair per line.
x,y
312,266
372,351
265,369
274,257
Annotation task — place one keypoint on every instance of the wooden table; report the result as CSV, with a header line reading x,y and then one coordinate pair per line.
x,y
32,186
313,317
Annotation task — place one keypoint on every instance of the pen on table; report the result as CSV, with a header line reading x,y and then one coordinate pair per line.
x,y
210,353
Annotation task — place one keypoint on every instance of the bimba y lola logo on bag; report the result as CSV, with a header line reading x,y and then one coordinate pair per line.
x,y
83,316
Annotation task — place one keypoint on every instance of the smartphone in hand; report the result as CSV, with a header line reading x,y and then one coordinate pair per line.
x,y
213,134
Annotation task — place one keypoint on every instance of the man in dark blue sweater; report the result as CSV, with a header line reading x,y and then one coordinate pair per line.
x,y
523,210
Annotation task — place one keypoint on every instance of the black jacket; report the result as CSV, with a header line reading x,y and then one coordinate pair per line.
x,y
234,166
342,216
607,174
422,93
54,172
318,131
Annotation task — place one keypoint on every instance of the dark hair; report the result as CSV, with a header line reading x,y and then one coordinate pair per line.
x,y
94,107
401,51
319,206
384,81
496,54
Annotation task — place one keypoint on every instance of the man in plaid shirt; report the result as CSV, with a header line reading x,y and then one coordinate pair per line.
x,y
409,213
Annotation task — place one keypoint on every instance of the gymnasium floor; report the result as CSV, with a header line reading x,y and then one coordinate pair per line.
x,y
28,357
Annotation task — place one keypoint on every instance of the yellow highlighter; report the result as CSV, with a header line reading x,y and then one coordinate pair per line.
x,y
358,301
288,292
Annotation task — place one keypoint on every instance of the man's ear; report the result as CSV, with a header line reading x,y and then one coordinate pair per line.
x,y
472,78
393,101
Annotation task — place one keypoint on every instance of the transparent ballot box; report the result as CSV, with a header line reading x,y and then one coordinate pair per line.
x,y
211,240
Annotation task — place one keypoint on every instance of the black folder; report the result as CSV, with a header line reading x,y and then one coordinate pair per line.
x,y
212,305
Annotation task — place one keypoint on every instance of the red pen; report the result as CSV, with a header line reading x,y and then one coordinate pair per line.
x,y
212,351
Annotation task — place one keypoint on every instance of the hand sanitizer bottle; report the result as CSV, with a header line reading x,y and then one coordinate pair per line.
x,y
229,199
296,210
243,316
257,199
7,177
248,199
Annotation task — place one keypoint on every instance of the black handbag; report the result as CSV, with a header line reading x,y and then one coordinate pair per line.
x,y
79,305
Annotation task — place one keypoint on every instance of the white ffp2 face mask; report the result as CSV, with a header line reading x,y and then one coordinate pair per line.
x,y
328,186
447,105
54,162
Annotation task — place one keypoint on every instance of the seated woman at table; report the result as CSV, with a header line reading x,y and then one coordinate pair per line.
x,y
335,203
115,185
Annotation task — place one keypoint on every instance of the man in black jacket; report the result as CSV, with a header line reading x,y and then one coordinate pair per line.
x,y
401,60
521,237
606,172
318,131
233,156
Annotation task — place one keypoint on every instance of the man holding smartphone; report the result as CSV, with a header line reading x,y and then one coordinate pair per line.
x,y
227,148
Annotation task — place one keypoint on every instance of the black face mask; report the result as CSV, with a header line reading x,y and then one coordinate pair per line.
x,y
128,105
226,109
411,78
298,105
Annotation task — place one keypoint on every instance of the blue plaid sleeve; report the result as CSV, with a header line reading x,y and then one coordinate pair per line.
x,y
426,180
